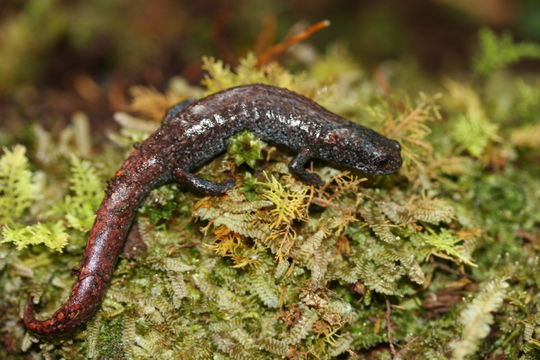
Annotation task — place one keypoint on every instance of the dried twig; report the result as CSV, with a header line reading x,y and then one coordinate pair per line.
x,y
268,54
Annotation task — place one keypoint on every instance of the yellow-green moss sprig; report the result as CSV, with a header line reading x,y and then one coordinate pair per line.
x,y
246,148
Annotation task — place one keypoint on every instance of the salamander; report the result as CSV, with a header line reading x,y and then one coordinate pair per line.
x,y
189,137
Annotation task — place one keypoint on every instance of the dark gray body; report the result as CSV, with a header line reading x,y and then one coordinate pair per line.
x,y
200,132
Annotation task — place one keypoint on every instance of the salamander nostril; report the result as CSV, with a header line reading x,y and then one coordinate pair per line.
x,y
397,145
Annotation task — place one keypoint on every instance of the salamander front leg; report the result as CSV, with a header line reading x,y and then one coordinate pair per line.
x,y
204,186
298,168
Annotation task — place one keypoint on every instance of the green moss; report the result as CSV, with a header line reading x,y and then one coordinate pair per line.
x,y
109,333
52,235
86,191
246,148
18,185
497,52
163,204
408,265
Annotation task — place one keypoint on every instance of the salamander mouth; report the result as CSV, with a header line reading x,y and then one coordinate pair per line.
x,y
388,165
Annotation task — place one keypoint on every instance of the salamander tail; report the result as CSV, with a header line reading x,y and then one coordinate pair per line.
x,y
75,312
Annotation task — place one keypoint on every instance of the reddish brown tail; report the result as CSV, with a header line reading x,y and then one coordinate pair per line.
x,y
82,304
106,240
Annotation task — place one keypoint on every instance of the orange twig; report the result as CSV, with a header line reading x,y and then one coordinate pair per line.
x,y
268,54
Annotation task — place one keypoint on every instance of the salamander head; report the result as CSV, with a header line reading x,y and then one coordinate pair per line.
x,y
363,149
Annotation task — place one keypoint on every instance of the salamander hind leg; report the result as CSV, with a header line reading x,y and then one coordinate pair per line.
x,y
297,167
204,186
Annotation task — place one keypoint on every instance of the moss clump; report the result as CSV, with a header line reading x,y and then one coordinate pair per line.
x,y
246,148
438,261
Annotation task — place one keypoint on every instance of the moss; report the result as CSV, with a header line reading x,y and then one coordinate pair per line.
x,y
246,148
376,267
109,333
499,51
163,204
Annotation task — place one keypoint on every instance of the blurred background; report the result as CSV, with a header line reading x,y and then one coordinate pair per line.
x,y
58,57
